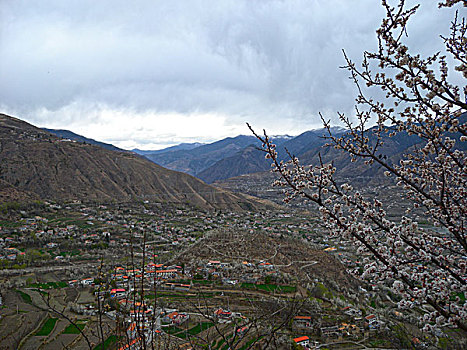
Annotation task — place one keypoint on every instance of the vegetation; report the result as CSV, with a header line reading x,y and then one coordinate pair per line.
x,y
269,287
49,285
421,104
47,327
71,329
111,340
26,297
200,328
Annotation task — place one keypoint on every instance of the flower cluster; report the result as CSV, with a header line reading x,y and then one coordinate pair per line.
x,y
425,266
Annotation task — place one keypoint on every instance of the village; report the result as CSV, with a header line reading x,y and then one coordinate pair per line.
x,y
168,276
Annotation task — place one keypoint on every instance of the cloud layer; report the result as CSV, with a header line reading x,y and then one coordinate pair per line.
x,y
154,73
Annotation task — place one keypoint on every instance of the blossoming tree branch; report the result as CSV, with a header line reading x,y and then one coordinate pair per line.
x,y
425,266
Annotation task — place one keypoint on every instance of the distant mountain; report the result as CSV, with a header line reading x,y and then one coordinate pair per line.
x,y
248,160
34,161
195,160
357,173
180,147
67,134
305,142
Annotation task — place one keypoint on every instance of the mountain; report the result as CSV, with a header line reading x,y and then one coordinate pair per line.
x,y
36,162
66,134
180,147
357,173
197,159
305,142
248,160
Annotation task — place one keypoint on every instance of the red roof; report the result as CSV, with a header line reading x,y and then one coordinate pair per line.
x,y
302,317
300,339
117,290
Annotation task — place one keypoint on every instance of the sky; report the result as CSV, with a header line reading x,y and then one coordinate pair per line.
x,y
151,74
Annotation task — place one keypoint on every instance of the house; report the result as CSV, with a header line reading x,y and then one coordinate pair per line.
x,y
330,332
241,331
176,318
182,287
265,265
166,274
350,311
303,321
302,341
118,293
73,283
372,321
87,281
222,314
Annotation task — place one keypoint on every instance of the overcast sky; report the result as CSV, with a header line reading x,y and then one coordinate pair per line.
x,y
150,74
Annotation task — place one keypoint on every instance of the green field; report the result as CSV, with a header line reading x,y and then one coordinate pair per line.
x,y
47,327
26,297
107,343
173,330
200,328
71,329
269,287
48,285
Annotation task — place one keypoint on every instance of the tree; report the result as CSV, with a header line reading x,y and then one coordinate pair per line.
x,y
426,266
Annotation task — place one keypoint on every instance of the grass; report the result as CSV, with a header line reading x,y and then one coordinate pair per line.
x,y
48,285
173,330
249,342
203,282
47,327
379,343
222,341
200,328
107,343
461,296
269,287
71,329
26,297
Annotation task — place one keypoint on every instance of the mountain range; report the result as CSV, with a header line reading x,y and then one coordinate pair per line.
x,y
235,156
36,164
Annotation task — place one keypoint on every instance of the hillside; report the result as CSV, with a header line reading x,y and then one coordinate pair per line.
x,y
193,161
250,160
247,161
291,256
37,162
66,134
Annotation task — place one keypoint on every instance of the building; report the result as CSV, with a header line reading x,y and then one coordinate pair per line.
x,y
302,341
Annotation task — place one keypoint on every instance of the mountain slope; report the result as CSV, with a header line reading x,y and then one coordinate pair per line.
x,y
67,134
248,160
196,160
35,161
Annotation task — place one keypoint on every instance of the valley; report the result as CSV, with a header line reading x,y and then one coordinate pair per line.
x,y
102,265
102,248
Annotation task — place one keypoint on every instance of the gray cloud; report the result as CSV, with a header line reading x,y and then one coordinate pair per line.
x,y
273,63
